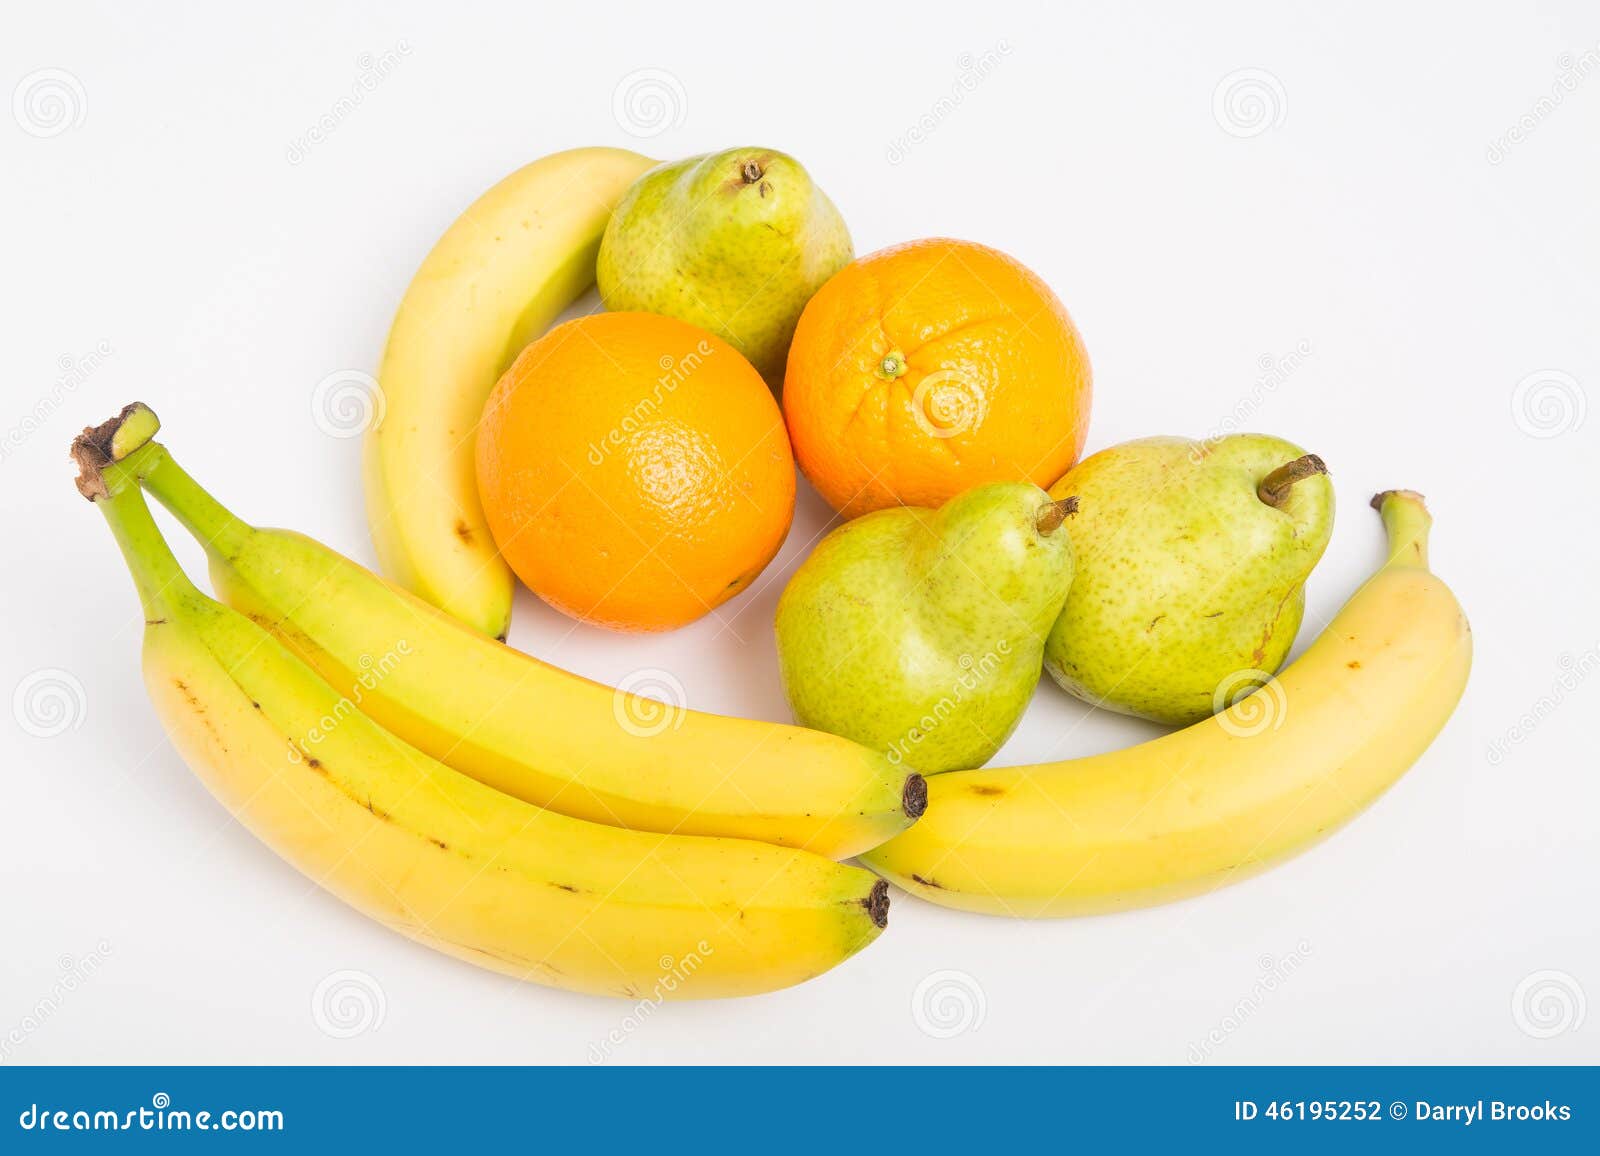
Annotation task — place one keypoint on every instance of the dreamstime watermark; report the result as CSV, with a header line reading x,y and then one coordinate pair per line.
x,y
971,71
371,671
1274,372
1249,101
71,374
974,673
75,972
675,972
348,1003
649,101
649,702
49,102
49,702
674,372
347,403
1249,702
1548,1003
1548,403
374,69
948,403
159,1116
1571,672
1571,71
949,1003
1275,972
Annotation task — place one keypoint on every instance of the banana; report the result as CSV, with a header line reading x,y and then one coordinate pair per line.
x,y
499,276
450,862
1208,805
530,729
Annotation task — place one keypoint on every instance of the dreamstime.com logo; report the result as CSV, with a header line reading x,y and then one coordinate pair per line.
x,y
372,70
1274,372
371,672
1548,403
1548,1003
348,1003
1571,71
674,372
675,972
159,1116
974,673
71,375
1249,702
1572,672
1275,972
949,403
649,101
1248,102
347,403
76,970
971,71
949,1003
649,702
49,102
49,702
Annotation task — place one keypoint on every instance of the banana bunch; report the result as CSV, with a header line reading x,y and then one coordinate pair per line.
x,y
434,854
529,729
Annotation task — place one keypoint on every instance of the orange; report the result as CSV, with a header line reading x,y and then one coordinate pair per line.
x,y
923,370
635,470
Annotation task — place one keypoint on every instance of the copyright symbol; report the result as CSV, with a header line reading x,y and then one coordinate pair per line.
x,y
1397,1110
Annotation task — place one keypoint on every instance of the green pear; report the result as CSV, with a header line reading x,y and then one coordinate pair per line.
x,y
920,633
1192,559
735,242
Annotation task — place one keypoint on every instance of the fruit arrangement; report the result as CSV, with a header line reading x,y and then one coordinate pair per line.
x,y
636,468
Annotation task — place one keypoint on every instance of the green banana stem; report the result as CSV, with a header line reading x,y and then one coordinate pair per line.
x,y
1406,520
202,515
159,579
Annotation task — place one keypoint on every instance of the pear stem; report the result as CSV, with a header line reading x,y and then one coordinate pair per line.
x,y
1274,488
1407,521
1050,516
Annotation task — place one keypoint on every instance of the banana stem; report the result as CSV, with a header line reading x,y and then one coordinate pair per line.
x,y
1406,520
202,515
157,576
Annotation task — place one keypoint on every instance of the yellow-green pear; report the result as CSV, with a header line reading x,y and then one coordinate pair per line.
x,y
1192,559
919,633
735,242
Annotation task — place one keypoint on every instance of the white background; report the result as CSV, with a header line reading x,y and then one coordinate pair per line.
x,y
173,225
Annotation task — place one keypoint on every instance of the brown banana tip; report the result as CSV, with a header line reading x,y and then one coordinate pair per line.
x,y
112,440
1377,499
914,798
877,904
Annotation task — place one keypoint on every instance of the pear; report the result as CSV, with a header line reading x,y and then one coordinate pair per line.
x,y
920,633
1192,559
735,242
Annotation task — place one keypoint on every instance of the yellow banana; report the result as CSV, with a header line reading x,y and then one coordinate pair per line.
x,y
1205,806
499,276
530,729
450,862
